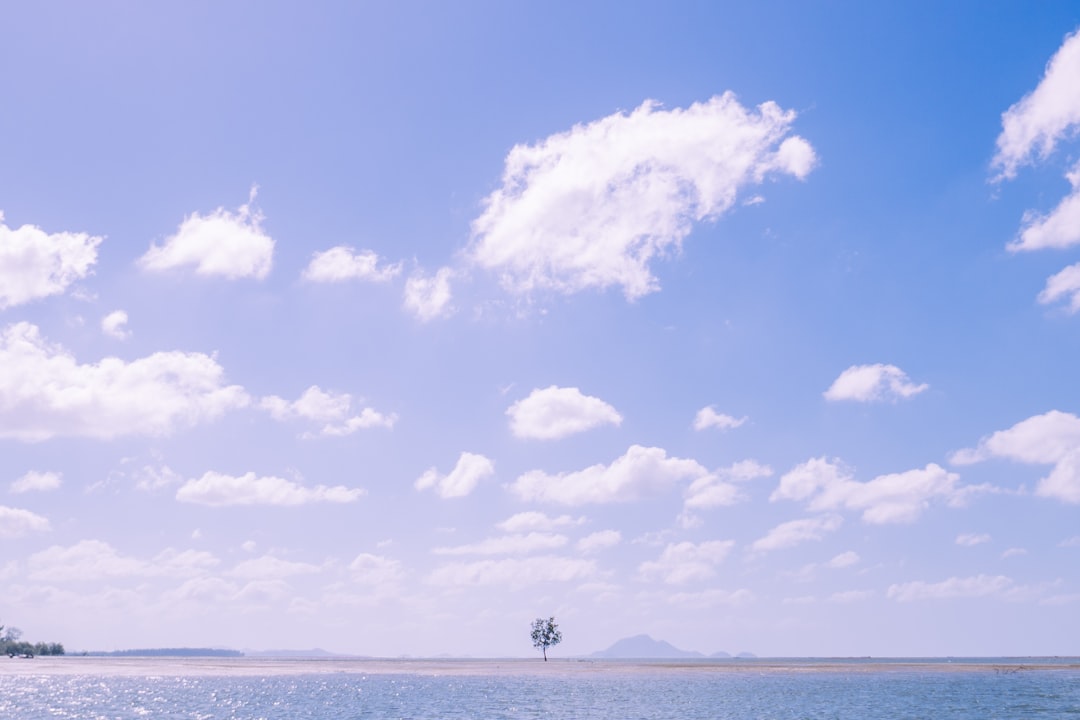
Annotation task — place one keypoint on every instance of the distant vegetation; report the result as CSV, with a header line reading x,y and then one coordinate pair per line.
x,y
12,644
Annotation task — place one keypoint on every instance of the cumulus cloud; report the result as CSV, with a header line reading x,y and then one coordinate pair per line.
x,y
598,541
1058,229
843,560
269,567
556,412
514,573
893,498
1049,439
721,488
224,243
221,490
1064,285
342,263
871,383
954,587
972,539
796,532
640,471
115,325
685,562
92,560
16,522
376,570
331,410
45,392
592,207
470,469
533,520
517,544
707,417
1033,126
428,296
36,481
35,264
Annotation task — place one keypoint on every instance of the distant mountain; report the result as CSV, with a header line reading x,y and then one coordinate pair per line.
x,y
166,652
643,647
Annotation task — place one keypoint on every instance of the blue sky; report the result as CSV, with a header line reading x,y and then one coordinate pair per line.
x,y
388,327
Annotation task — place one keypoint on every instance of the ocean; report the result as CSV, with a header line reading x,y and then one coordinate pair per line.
x,y
106,689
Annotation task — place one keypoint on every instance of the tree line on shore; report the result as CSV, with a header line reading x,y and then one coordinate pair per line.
x,y
12,644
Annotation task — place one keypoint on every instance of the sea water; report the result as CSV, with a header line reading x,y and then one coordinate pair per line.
x,y
795,691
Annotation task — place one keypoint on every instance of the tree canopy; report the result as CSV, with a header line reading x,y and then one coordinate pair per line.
x,y
545,634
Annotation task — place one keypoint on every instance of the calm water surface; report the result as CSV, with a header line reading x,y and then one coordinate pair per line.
x,y
798,692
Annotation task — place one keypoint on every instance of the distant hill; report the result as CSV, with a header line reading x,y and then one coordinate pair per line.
x,y
312,653
167,652
643,647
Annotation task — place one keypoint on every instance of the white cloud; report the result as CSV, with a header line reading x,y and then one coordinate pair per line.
x,y
470,469
719,488
954,587
45,392
376,570
707,417
36,481
269,567
514,573
85,560
220,490
330,409
893,498
598,541
517,544
556,412
686,562
796,532
1073,541
35,264
1013,552
151,478
344,263
1059,229
1035,124
1049,439
533,520
972,539
843,560
639,472
223,243
428,296
871,383
594,206
16,522
115,325
1065,284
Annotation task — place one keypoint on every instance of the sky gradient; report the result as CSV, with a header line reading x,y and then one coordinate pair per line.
x,y
389,327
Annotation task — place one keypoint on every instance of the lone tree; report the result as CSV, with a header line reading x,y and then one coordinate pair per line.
x,y
545,634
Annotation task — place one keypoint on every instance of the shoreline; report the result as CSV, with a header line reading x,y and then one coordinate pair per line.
x,y
253,666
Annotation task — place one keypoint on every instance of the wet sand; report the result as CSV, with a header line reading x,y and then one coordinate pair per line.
x,y
249,666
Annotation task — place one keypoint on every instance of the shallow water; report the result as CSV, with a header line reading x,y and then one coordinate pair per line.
x,y
772,691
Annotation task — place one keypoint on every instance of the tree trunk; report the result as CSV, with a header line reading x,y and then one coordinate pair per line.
x,y
545,654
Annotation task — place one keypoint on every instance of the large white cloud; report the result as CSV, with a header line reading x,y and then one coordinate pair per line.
x,y
35,264
686,562
1056,230
344,263
796,532
533,520
331,410
556,412
223,243
37,481
1063,285
868,383
893,498
721,488
639,472
593,206
470,469
45,392
220,490
16,522
514,572
1052,438
1033,126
